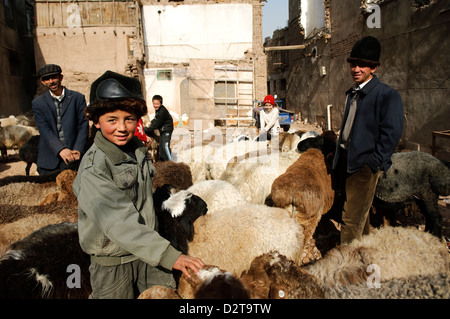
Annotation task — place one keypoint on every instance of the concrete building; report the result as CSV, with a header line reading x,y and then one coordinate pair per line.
x,y
86,38
205,58
414,60
16,57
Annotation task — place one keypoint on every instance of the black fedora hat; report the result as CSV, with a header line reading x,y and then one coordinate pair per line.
x,y
366,50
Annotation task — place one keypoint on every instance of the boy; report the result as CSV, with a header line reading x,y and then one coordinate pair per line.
x,y
164,123
268,118
116,217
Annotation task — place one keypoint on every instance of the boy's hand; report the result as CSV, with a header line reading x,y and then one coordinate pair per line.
x,y
185,261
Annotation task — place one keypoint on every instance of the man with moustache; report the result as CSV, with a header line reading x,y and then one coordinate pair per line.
x,y
63,127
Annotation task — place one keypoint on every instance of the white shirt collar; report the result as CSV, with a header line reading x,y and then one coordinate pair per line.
x,y
59,98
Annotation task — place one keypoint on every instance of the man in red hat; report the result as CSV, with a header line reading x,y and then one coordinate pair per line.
x,y
370,131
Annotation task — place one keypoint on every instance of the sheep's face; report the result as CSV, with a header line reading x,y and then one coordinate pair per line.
x,y
184,202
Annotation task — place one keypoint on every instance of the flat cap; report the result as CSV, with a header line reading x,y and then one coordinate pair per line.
x,y
49,69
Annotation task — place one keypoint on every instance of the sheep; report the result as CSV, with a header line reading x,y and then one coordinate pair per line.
x,y
3,150
415,176
39,193
26,193
209,161
273,275
35,179
176,213
403,183
305,190
229,238
175,174
289,141
14,136
39,266
14,120
217,194
22,256
28,152
277,277
210,282
253,173
232,237
397,251
32,218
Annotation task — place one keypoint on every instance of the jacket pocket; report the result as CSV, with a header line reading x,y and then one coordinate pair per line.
x,y
126,178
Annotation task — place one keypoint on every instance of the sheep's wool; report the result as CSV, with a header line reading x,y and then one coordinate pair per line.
x,y
207,275
176,203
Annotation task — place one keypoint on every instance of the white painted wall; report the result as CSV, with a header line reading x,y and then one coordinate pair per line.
x,y
175,34
312,17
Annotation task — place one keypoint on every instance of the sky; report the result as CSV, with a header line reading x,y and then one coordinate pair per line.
x,y
275,16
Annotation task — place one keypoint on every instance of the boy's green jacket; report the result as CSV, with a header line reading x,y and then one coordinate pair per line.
x,y
116,216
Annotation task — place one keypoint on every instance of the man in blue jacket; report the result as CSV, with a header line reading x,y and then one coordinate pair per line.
x,y
63,127
370,131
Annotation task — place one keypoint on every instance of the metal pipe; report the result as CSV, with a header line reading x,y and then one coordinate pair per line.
x,y
329,116
285,47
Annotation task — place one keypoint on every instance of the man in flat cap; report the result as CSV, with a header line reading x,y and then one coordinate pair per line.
x,y
63,127
370,131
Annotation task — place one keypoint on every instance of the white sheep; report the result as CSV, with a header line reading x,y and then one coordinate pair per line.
x,y
232,237
210,160
217,194
253,174
14,136
395,251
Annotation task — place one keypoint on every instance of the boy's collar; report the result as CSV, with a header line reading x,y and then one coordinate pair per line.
x,y
113,151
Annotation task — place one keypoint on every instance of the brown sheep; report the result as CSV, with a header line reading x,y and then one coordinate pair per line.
x,y
64,182
305,190
177,175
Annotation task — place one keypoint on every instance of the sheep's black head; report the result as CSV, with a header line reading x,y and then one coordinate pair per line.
x,y
176,215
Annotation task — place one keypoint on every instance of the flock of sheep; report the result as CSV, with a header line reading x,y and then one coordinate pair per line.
x,y
250,211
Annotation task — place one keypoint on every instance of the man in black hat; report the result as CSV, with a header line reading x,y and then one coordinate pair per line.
x,y
371,128
63,128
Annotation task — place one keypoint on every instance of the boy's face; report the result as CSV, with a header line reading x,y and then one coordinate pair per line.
x,y
156,104
118,126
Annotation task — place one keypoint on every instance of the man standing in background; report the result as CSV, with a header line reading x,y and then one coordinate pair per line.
x,y
63,127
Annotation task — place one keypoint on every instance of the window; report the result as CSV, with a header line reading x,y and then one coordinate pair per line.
x,y
164,75
225,93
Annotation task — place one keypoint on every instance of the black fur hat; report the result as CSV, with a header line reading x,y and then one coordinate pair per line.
x,y
366,50
113,91
112,85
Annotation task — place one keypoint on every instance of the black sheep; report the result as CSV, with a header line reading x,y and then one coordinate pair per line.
x,y
36,266
415,176
40,266
29,152
176,227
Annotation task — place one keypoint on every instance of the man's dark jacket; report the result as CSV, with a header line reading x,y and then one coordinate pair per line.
x,y
74,124
377,127
163,122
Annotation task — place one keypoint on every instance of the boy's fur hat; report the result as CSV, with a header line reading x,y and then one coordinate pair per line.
x,y
113,91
